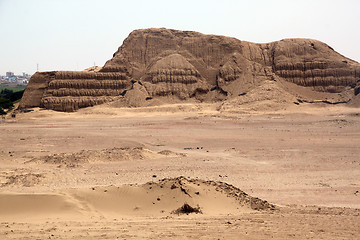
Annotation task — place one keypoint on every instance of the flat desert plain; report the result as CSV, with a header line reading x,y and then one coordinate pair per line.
x,y
128,173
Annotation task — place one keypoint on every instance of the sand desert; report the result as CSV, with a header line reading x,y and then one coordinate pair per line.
x,y
174,141
105,172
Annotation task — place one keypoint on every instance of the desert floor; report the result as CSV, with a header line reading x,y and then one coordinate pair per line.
x,y
86,175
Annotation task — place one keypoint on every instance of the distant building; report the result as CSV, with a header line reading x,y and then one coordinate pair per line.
x,y
10,74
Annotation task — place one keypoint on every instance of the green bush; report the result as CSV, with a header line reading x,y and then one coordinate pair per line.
x,y
11,95
5,104
7,99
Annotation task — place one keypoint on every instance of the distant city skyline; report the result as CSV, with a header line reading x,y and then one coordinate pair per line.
x,y
14,74
72,35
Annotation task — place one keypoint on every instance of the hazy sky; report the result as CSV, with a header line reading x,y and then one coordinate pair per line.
x,y
73,34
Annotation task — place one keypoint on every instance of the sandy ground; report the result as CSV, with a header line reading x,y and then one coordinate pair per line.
x,y
86,175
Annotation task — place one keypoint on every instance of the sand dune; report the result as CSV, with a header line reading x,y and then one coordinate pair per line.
x,y
161,198
167,195
20,207
107,171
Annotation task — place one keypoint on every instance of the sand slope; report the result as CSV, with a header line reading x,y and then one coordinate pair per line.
x,y
160,198
36,206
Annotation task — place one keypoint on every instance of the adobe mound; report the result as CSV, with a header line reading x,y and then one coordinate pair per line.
x,y
186,64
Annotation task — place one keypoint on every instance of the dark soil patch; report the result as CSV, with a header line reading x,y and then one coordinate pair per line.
x,y
187,209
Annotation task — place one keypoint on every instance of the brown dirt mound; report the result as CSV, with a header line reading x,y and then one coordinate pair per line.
x,y
222,187
26,180
162,198
171,153
90,156
168,196
268,96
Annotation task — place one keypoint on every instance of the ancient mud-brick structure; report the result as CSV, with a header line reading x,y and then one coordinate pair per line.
x,y
70,90
187,64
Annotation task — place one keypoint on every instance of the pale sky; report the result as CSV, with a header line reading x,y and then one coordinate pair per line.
x,y
73,34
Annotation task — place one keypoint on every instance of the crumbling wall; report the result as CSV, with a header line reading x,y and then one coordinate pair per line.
x,y
70,90
174,75
36,88
188,64
314,64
